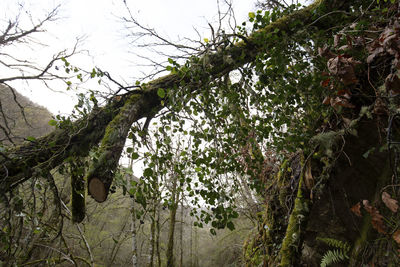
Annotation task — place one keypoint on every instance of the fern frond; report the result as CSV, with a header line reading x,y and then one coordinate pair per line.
x,y
337,255
335,243
333,256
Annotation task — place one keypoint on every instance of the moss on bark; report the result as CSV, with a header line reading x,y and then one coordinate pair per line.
x,y
292,242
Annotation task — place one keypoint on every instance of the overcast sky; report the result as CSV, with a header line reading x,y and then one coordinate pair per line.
x,y
99,21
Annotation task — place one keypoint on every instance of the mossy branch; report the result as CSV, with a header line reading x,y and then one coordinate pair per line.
x,y
292,241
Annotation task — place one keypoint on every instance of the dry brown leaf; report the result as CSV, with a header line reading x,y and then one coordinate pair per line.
x,y
392,84
376,218
325,83
325,52
339,101
396,237
374,53
336,40
327,100
390,202
309,180
356,209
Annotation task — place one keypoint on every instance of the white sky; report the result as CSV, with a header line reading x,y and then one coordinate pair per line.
x,y
97,20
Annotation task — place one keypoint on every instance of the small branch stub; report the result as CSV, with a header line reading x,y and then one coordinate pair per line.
x,y
97,189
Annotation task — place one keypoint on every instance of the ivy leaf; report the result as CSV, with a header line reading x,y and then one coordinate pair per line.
x,y
161,93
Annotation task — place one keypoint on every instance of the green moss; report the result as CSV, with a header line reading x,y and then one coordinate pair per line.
x,y
111,133
253,252
292,240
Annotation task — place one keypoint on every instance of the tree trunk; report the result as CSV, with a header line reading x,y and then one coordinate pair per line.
x,y
181,235
152,239
158,231
133,233
172,221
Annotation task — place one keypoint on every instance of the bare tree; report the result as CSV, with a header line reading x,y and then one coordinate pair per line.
x,y
17,36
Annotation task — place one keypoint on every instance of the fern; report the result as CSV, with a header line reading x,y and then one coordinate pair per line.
x,y
337,255
333,256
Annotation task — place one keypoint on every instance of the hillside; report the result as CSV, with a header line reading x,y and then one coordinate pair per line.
x,y
12,120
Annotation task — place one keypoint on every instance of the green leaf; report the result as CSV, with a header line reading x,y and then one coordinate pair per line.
x,y
31,139
161,92
129,150
52,122
212,231
135,155
252,15
230,226
206,40
148,172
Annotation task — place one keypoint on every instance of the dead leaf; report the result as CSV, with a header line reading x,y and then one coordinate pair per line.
x,y
390,202
392,84
325,83
309,180
327,100
343,67
339,101
356,209
336,40
376,218
325,52
374,53
396,237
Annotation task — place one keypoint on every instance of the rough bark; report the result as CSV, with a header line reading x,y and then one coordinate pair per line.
x,y
20,163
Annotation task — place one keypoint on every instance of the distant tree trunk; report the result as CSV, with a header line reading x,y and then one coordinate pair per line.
x,y
196,260
133,220
117,245
133,231
172,220
181,232
158,237
191,244
152,240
